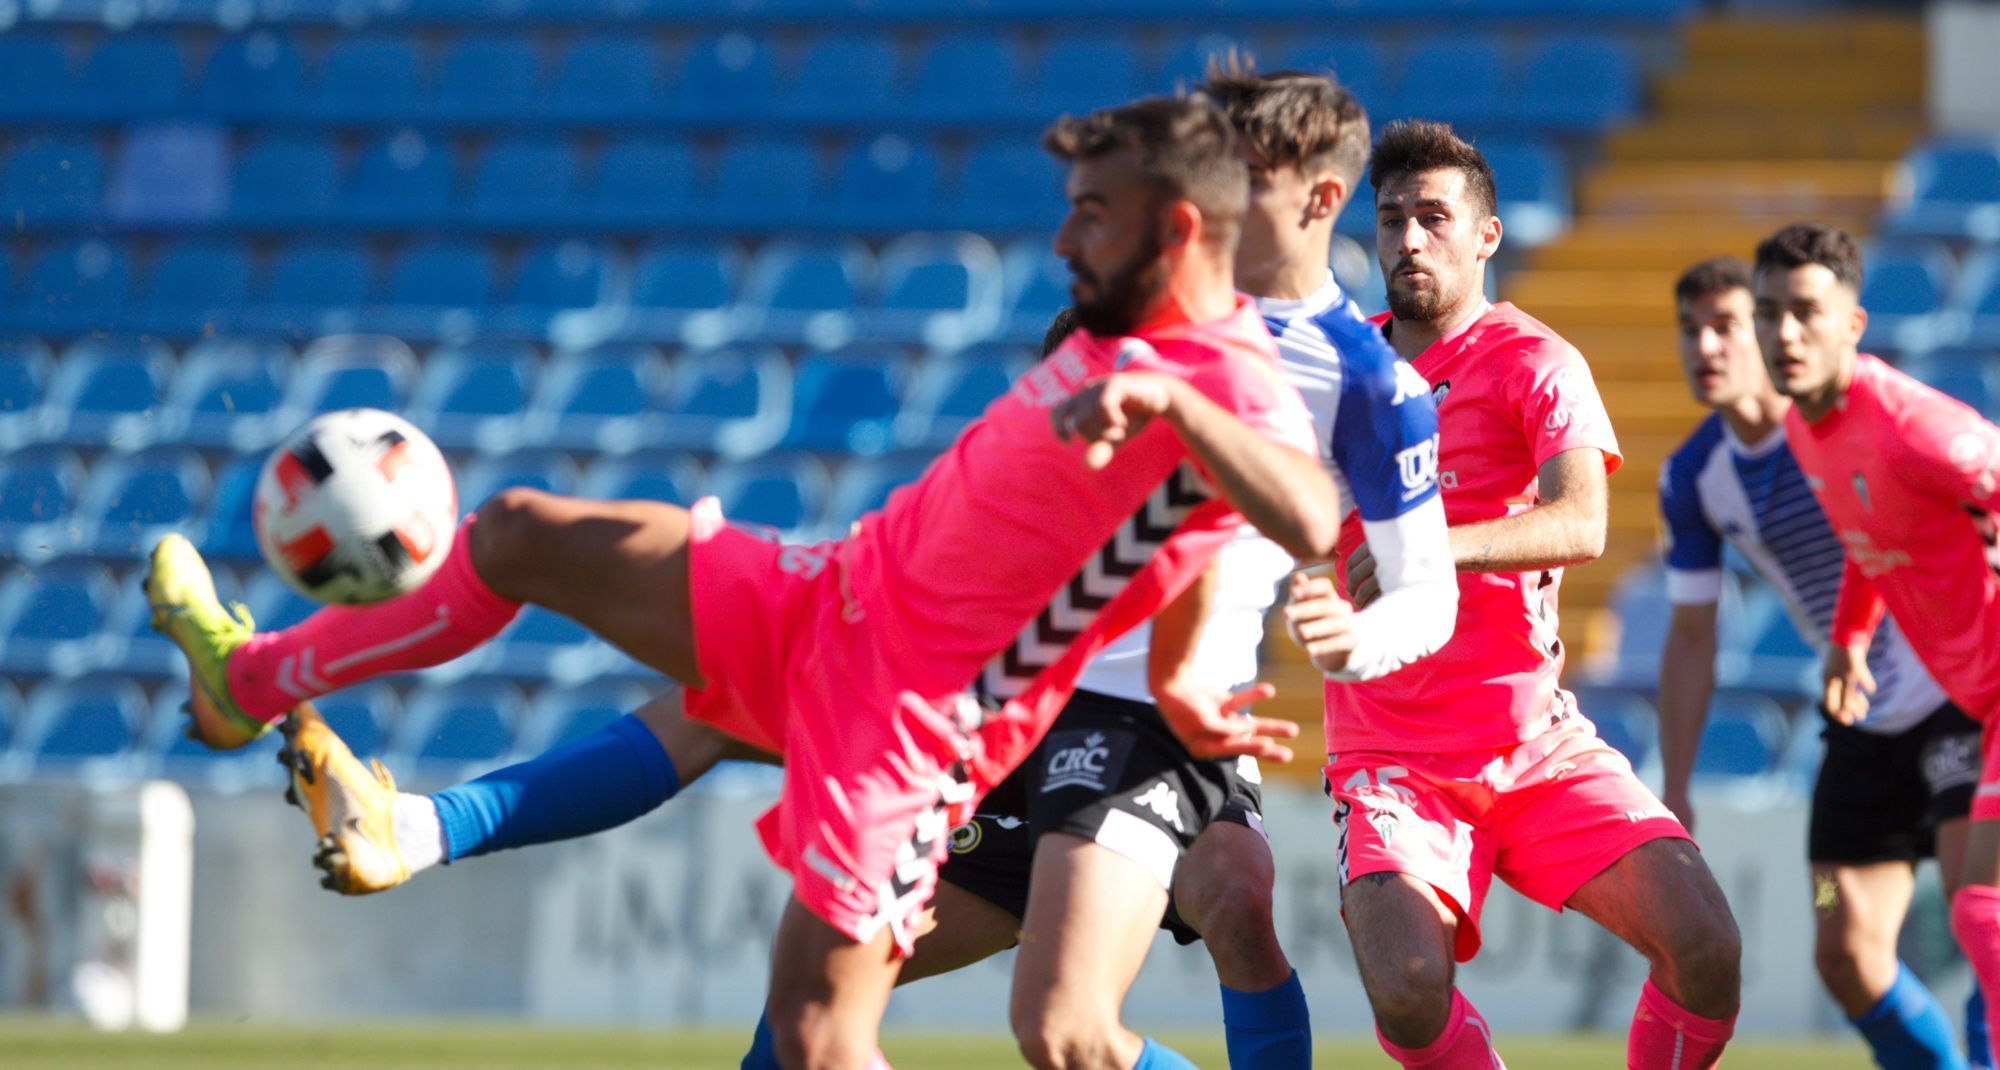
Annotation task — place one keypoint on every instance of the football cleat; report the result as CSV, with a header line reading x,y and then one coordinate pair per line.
x,y
186,610
352,807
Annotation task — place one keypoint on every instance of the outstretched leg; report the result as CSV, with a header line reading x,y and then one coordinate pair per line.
x,y
1223,890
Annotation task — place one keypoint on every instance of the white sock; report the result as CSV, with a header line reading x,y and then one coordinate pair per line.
x,y
419,833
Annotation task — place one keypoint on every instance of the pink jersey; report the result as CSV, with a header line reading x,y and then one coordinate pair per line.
x,y
1510,395
1910,479
1009,491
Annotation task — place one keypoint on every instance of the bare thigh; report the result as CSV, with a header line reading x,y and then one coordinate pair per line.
x,y
1661,898
827,993
1857,914
959,929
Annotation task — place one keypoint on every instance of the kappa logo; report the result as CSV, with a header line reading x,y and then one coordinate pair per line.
x,y
1079,766
1409,384
1163,801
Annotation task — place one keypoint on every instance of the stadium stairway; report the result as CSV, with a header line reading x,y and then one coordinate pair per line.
x,y
1761,123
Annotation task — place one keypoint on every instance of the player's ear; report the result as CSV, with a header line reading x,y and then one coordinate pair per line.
x,y
1489,237
1180,225
1860,322
1323,201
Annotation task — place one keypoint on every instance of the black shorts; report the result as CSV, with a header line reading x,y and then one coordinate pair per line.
x,y
1110,771
1879,798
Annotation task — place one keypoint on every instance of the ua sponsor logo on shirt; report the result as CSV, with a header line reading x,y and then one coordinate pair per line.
x,y
1418,467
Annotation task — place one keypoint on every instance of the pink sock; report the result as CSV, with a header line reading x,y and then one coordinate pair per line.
x,y
1668,1036
1465,1044
340,646
1975,921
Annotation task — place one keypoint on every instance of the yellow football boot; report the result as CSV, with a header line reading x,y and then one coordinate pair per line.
x,y
352,807
186,610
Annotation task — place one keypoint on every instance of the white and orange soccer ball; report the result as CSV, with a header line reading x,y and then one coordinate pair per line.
x,y
357,506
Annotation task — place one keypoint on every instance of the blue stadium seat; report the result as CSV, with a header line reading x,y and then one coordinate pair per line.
x,y
365,717
227,393
1006,184
273,604
846,402
643,182
34,76
1949,189
436,288
39,489
1640,604
131,77
50,618
807,292
80,287
25,367
257,76
967,79
1037,289
486,79
1623,719
942,291
560,715
677,285
337,374
726,77
535,469
541,645
227,533
131,502
653,476
1744,736
1458,80
1578,83
53,183
197,287
369,79
165,749
604,399
1356,62
887,183
560,276
110,388
607,78
863,485
782,493
1903,290
735,402
308,280
68,723
472,397
1972,385
767,184
844,79
1082,74
10,714
1533,189
285,180
1977,302
525,180
469,723
402,179
949,391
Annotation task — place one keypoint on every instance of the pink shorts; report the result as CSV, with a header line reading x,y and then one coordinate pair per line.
x,y
1986,797
874,775
1546,816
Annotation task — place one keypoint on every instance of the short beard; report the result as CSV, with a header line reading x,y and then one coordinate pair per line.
x,y
1410,307
1124,296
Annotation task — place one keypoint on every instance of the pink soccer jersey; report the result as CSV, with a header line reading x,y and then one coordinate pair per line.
x,y
1510,395
1910,478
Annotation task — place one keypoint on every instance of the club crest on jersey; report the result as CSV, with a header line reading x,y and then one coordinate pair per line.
x,y
964,838
1385,825
1129,350
1861,492
1439,391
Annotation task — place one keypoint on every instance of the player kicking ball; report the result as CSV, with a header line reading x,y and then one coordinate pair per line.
x,y
1909,479
850,659
1474,763
1895,786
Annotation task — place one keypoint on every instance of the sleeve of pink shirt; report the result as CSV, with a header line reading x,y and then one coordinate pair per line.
x,y
1562,410
1258,394
1857,610
1953,453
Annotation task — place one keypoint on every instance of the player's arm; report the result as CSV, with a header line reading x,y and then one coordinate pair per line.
x,y
1211,722
1566,527
1693,557
1283,491
1857,611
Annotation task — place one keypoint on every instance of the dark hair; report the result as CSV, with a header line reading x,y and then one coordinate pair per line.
x,y
1413,146
1185,147
1292,118
1812,243
1059,328
1712,276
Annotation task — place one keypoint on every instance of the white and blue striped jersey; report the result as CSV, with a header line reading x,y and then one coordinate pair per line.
x,y
1717,489
1377,430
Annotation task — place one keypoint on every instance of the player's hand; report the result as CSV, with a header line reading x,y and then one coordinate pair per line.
x,y
1678,800
1218,724
1848,683
1321,622
1110,411
1362,587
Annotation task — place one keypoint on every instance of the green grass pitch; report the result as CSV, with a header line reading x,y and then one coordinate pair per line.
x,y
38,1044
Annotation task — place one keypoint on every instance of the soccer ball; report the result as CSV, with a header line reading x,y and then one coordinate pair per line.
x,y
357,506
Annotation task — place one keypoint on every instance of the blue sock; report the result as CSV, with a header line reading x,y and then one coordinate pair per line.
x,y
1268,1030
603,780
763,1053
1978,1046
1908,1030
1157,1056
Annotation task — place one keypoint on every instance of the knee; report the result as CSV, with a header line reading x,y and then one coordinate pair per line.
x,y
1412,1000
1056,1038
1707,956
1837,956
510,528
1230,907
803,1044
